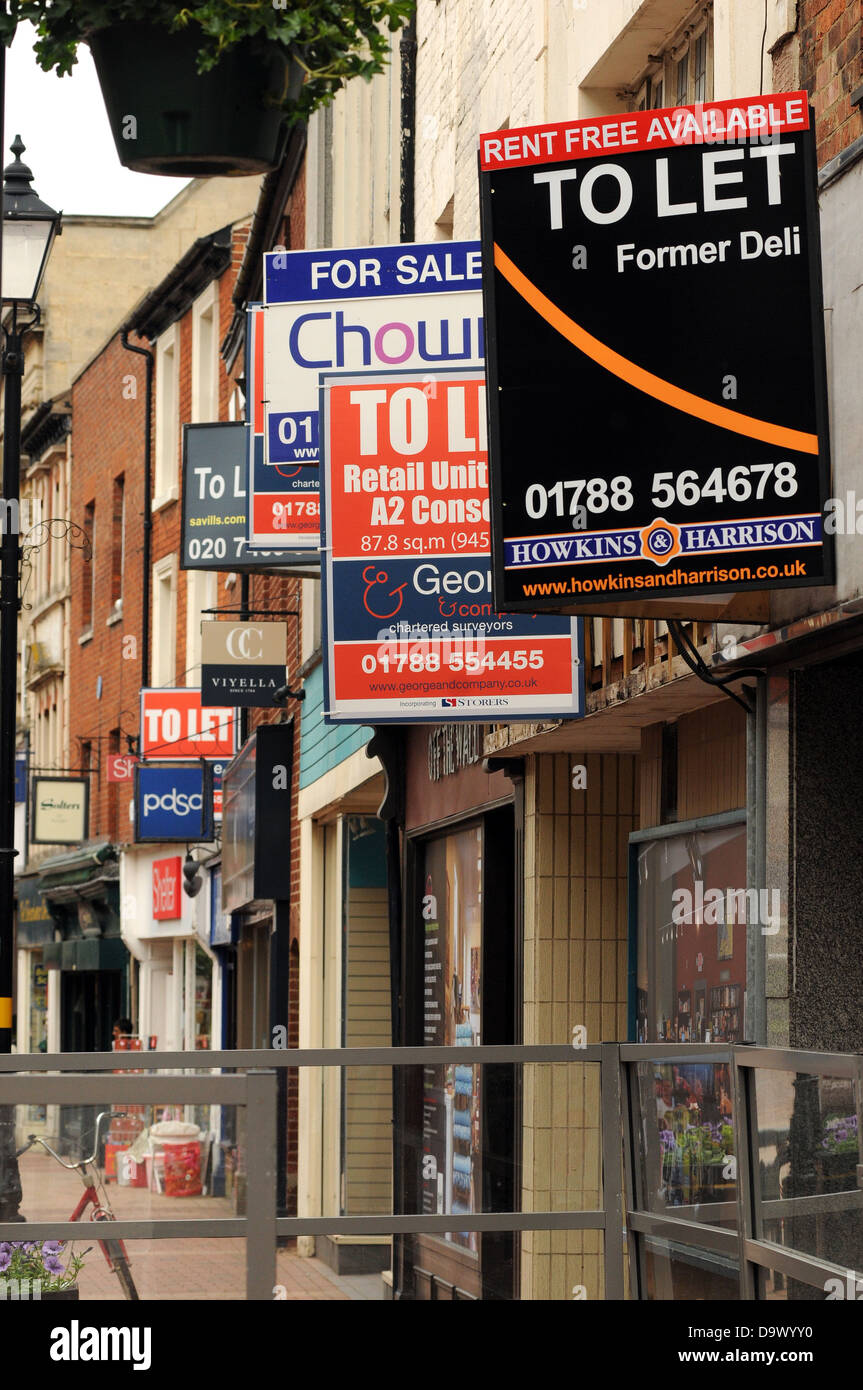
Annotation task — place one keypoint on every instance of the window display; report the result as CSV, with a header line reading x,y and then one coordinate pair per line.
x,y
688,1141
203,998
38,1041
452,993
694,914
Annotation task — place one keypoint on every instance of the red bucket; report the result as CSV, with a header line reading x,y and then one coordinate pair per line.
x,y
182,1168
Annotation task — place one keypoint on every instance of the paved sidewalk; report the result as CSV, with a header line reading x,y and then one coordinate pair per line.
x,y
175,1269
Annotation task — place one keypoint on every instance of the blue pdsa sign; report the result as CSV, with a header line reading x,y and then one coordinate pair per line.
x,y
173,802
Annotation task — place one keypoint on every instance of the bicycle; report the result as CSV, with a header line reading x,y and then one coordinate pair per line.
x,y
94,1195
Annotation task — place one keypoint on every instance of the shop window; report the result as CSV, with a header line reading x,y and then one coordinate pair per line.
x,y
700,73
694,914
164,657
681,87
205,356
38,1021
201,593
462,1154
112,788
88,569
118,542
203,1000
452,992
310,637
167,418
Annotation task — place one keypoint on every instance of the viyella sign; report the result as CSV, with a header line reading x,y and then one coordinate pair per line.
x,y
655,358
242,662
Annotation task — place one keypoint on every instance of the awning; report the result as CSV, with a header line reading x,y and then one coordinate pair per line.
x,y
101,953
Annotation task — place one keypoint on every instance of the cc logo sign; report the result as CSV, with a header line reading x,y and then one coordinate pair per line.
x,y
245,643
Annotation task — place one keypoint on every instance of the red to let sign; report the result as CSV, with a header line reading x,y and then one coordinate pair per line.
x,y
167,877
174,724
121,767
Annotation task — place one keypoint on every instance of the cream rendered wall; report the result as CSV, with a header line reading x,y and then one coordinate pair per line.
x,y
352,165
476,69
309,1117
317,1188
481,65
352,199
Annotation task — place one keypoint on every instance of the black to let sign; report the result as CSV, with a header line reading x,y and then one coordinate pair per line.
x,y
656,359
215,465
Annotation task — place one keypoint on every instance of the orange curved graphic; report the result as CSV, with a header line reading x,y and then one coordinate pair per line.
x,y
643,380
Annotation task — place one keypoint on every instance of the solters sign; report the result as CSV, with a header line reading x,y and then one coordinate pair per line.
x,y
656,360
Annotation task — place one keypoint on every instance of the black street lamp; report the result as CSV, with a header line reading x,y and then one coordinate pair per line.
x,y
29,228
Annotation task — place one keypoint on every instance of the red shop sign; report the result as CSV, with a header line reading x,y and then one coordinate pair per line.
x,y
167,876
121,767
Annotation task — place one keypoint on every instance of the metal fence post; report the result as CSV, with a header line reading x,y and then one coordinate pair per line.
x,y
261,1092
630,1192
858,1102
747,1174
612,1158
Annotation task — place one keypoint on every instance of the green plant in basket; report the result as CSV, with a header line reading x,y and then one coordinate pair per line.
x,y
331,40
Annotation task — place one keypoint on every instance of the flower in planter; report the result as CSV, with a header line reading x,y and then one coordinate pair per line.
x,y
840,1134
39,1263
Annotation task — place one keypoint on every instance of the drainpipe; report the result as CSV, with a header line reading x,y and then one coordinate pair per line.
x,y
245,599
148,514
407,165
387,743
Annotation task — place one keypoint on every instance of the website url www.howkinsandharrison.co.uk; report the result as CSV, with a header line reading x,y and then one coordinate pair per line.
x,y
609,583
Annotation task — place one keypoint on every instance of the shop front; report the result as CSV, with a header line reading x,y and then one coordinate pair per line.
x,y
176,1003
344,1159
86,963
694,915
252,922
459,1147
698,937
37,997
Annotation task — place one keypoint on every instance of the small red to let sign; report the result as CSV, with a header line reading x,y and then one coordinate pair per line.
x,y
167,875
121,767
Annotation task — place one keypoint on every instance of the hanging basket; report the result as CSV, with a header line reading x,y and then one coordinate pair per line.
x,y
167,118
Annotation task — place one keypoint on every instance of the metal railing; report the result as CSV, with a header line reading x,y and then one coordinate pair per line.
x,y
256,1088
733,1231
725,1235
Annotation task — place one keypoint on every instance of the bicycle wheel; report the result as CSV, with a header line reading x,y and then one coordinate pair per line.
x,y
120,1265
